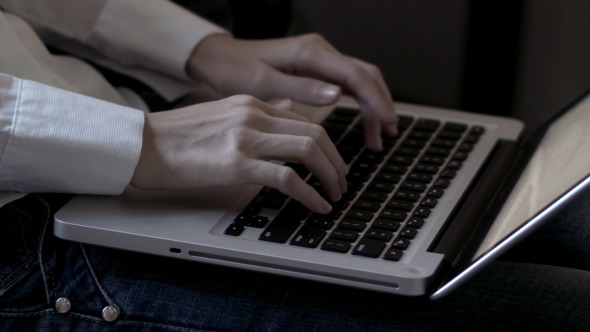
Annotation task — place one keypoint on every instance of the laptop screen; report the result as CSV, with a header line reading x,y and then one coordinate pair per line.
x,y
561,160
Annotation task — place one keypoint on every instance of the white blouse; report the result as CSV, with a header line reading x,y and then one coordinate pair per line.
x,y
63,127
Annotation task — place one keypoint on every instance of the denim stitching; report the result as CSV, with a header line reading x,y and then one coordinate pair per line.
x,y
94,277
21,218
40,252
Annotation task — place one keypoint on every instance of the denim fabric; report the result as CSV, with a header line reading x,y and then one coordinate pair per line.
x,y
162,294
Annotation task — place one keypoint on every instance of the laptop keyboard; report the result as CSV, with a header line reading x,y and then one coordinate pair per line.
x,y
390,193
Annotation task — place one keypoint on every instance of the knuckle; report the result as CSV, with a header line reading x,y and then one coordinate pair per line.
x,y
309,146
317,132
286,178
243,100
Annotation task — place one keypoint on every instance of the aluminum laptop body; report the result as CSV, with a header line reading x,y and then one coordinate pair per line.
x,y
502,171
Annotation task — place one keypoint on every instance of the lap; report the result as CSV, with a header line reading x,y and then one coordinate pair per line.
x,y
161,293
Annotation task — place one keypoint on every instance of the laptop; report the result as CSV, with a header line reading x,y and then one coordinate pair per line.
x,y
451,193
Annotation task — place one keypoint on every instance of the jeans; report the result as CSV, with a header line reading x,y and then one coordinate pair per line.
x,y
542,284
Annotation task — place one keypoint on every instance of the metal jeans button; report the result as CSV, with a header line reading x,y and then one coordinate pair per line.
x,y
63,305
110,313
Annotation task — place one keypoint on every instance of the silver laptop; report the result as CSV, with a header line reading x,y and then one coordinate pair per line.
x,y
451,193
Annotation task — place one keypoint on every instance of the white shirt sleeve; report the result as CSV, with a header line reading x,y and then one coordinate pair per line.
x,y
53,140
150,40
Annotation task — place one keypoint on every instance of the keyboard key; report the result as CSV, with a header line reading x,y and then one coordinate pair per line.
x,y
401,243
379,234
308,237
234,230
388,224
407,195
415,222
344,234
376,196
320,221
393,254
393,214
400,205
369,248
427,125
279,230
354,225
359,215
367,205
408,232
336,245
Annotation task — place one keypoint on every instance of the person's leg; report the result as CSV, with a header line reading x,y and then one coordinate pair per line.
x,y
146,292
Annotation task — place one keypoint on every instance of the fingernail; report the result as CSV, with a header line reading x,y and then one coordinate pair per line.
x,y
325,207
328,94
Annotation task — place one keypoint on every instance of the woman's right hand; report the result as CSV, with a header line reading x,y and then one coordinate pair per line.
x,y
233,141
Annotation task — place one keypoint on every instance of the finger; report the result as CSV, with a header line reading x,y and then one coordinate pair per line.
x,y
288,182
307,151
305,133
285,105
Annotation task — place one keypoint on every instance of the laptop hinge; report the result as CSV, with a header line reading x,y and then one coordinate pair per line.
x,y
476,201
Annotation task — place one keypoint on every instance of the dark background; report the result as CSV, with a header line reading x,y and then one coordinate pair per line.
x,y
523,58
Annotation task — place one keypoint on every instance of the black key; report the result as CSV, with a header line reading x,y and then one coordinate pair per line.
x,y
381,186
366,205
438,151
449,134
444,143
407,195
394,168
460,156
436,192
432,159
393,254
368,248
427,125
426,168
320,221
387,177
471,139
279,230
408,151
477,130
448,173
408,232
414,143
420,177
354,225
234,230
336,245
269,202
404,122
400,205
344,234
429,202
401,160
421,135
457,127
388,224
401,243
379,234
415,222
308,237
422,212
243,219
442,183
465,147
393,214
454,164
413,186
359,215
376,196
258,222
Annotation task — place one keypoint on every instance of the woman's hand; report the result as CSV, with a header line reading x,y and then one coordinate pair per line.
x,y
306,69
232,141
